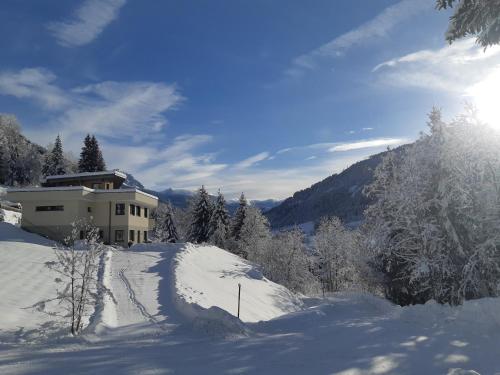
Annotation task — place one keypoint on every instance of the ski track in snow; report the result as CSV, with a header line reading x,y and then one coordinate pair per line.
x,y
133,299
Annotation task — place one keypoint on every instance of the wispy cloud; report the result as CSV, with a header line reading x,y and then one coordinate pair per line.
x,y
253,160
375,28
88,21
368,144
131,110
367,129
450,68
35,84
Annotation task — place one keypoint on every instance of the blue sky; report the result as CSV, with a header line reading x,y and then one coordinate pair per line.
x,y
265,97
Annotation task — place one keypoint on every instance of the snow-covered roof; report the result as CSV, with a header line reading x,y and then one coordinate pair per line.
x,y
116,173
84,188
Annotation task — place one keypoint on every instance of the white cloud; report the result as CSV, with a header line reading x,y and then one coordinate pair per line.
x,y
377,27
368,144
35,84
253,160
131,110
367,129
88,21
450,68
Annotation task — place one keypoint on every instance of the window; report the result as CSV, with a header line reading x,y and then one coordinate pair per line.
x,y
107,186
118,236
138,210
131,235
145,236
138,236
132,209
95,185
89,209
120,209
145,212
49,208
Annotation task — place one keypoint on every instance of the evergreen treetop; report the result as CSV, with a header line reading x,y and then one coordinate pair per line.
x,y
91,159
239,218
54,161
219,223
200,217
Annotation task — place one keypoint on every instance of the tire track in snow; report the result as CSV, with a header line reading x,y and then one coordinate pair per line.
x,y
133,299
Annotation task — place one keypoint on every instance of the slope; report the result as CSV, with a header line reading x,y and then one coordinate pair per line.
x,y
338,195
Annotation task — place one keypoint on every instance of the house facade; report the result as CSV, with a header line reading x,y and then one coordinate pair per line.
x,y
122,216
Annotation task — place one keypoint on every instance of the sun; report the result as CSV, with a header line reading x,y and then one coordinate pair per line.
x,y
485,96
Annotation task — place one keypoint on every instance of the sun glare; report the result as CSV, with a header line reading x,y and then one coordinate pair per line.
x,y
485,96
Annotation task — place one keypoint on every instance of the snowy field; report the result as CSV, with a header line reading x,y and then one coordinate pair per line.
x,y
160,294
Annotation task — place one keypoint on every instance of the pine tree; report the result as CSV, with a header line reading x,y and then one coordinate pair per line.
x,y
85,162
164,229
91,159
99,164
480,17
200,217
219,223
54,161
239,218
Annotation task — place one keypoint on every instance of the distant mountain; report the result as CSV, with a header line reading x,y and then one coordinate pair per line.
x,y
338,195
180,198
263,205
131,181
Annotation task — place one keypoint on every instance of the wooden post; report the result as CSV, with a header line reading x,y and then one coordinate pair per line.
x,y
239,295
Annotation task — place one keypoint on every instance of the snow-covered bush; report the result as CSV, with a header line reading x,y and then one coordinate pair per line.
x,y
433,229
340,261
76,266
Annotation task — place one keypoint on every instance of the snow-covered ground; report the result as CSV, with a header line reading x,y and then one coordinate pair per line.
x,y
11,217
150,322
209,276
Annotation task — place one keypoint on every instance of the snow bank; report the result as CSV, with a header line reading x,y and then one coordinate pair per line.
x,y
477,316
208,276
26,284
11,217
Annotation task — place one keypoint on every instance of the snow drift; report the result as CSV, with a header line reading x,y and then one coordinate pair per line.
x,y
208,276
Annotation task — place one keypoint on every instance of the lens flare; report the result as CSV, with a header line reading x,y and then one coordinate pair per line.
x,y
485,95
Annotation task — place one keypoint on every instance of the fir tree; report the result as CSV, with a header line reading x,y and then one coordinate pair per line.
x,y
91,159
219,223
480,18
84,164
99,164
239,218
54,161
165,229
200,217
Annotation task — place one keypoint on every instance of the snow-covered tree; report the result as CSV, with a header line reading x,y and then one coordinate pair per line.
x,y
55,163
201,213
77,265
337,248
239,218
22,159
434,225
286,262
164,229
473,17
91,159
219,223
254,237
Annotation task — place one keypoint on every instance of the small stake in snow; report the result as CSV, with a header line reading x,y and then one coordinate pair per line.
x,y
239,294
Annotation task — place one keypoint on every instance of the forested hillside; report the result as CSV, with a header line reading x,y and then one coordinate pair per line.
x,y
338,195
